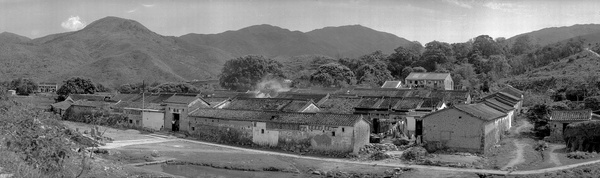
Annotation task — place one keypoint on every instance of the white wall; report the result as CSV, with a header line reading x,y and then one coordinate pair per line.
x,y
153,120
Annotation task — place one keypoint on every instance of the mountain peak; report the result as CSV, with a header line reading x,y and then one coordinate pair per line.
x,y
116,24
7,37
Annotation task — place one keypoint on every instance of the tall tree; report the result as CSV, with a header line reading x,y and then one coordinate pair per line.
x,y
76,85
174,88
436,53
486,46
522,44
373,74
333,74
402,57
244,73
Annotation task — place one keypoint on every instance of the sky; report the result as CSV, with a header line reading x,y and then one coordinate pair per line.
x,y
416,20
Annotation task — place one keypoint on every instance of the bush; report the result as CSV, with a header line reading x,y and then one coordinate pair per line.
x,y
541,146
414,153
379,156
581,155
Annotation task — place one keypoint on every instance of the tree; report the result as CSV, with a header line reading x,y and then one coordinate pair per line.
x,y
462,50
436,53
486,46
464,75
522,44
23,86
244,73
76,85
333,74
174,88
402,57
374,75
102,88
592,102
499,66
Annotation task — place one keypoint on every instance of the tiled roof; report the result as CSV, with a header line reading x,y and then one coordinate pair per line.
x,y
455,96
427,76
504,98
47,83
512,91
124,97
392,84
138,105
480,111
214,101
90,103
571,115
88,97
339,105
296,105
179,99
302,96
408,103
368,103
62,105
262,104
498,105
280,117
432,103
153,97
375,92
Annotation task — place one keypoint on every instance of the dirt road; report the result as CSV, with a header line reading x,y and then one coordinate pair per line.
x,y
553,157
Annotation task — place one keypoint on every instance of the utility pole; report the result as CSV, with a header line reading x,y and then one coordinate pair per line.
x,y
143,99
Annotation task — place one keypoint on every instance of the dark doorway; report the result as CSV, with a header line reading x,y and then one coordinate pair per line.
x,y
376,125
564,127
175,126
419,127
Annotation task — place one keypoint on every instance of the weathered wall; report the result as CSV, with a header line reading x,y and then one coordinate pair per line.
x,y
184,123
262,136
153,120
453,129
331,138
361,136
448,84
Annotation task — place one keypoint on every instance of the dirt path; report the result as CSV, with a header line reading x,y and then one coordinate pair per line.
x,y
553,157
518,159
597,55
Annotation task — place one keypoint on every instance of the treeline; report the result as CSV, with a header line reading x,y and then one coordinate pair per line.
x,y
475,65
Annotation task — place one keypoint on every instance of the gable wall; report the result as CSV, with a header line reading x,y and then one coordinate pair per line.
x,y
453,129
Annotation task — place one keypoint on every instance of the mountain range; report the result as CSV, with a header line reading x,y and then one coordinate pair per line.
x,y
114,51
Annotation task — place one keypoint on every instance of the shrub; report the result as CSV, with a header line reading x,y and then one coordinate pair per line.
x,y
380,156
414,153
580,155
541,146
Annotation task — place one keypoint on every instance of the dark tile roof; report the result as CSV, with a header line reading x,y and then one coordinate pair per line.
x,y
340,105
480,111
153,97
571,115
302,96
214,101
454,96
280,117
512,91
138,105
498,105
392,84
427,76
408,103
432,103
261,104
368,103
296,105
378,92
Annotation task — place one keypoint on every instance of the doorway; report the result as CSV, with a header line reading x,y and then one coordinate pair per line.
x,y
376,126
418,127
175,122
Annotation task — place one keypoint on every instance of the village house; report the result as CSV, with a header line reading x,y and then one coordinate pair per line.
x,y
429,80
269,104
327,132
471,128
147,115
559,119
86,97
177,109
46,87
60,107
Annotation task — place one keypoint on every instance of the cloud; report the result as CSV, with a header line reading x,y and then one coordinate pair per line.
x,y
148,5
460,3
504,6
73,23
132,10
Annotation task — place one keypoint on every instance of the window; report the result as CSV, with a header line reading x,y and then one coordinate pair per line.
x,y
333,134
193,128
131,121
137,122
342,129
262,131
459,117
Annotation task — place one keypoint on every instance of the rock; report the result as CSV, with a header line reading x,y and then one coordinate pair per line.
x,y
155,153
6,175
316,173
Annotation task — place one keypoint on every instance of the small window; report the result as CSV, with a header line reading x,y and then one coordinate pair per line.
x,y
262,131
131,121
459,117
343,129
212,120
137,122
333,134
193,128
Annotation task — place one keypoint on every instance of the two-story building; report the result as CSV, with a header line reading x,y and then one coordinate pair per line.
x,y
430,80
